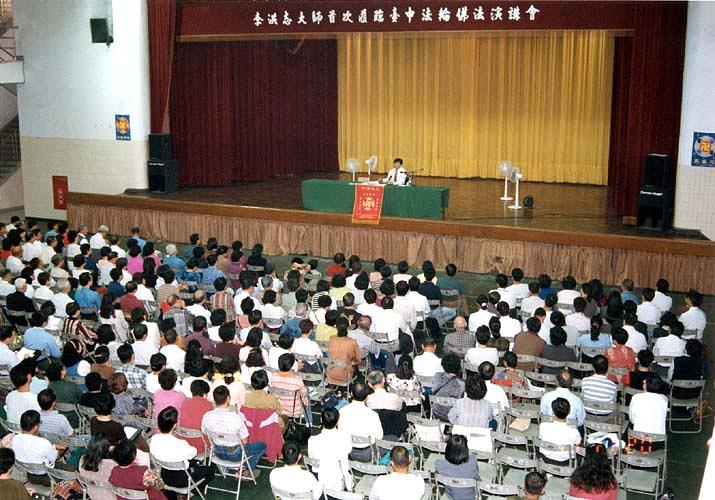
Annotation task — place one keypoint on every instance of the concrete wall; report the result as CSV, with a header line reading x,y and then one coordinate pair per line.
x,y
695,186
72,91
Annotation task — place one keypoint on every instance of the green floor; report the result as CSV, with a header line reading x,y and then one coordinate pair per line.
x,y
687,452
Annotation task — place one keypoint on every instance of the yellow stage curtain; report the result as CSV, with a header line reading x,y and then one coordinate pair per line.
x,y
456,104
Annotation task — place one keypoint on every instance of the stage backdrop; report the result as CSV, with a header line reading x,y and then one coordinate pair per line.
x,y
253,110
456,104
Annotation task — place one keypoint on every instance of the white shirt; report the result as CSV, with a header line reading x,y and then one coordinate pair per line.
x,y
394,485
479,318
478,355
228,422
60,300
559,433
396,278
692,319
331,448
97,242
168,448
427,364
121,254
636,340
390,322
34,450
7,357
579,321
14,264
174,357
532,303
143,351
419,301
47,253
371,310
648,313
143,293
662,302
567,296
43,292
357,419
519,290
6,288
396,175
647,412
105,268
293,479
199,310
496,397
306,347
72,250
380,399
274,312
670,345
406,309
505,296
510,327
17,403
31,251
577,410
239,298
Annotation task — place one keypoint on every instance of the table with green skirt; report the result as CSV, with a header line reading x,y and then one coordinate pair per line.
x,y
417,202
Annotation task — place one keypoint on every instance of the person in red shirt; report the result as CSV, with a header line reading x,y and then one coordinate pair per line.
x,y
338,265
594,479
193,410
129,301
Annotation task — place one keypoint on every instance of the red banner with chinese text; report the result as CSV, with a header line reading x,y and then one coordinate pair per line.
x,y
59,191
368,204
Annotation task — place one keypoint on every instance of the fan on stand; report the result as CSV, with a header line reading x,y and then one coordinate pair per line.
x,y
371,166
353,165
516,176
504,170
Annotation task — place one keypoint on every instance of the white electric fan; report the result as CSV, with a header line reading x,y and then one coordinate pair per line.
x,y
371,166
516,176
353,165
504,170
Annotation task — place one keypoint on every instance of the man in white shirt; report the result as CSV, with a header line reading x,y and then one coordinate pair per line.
x,y
692,319
648,312
397,174
6,286
428,364
61,299
578,319
7,357
168,448
400,483
247,290
14,262
504,294
559,433
380,399
232,425
517,288
533,301
389,321
636,340
482,352
482,316
143,293
43,291
358,420
114,247
418,300
143,348
670,345
369,307
175,355
270,310
98,240
21,399
28,446
495,394
510,327
648,410
291,478
30,250
564,380
569,292
198,308
331,448
661,300
402,273
403,306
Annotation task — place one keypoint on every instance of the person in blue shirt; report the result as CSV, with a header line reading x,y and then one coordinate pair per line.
x,y
176,264
135,236
85,296
627,293
90,263
545,288
292,325
115,287
38,339
195,241
52,230
595,339
211,273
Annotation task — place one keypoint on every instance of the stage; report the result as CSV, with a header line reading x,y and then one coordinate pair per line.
x,y
569,231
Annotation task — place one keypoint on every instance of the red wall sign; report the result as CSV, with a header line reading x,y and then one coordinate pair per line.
x,y
59,191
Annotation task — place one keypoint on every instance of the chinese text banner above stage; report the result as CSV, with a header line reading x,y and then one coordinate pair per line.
x,y
368,204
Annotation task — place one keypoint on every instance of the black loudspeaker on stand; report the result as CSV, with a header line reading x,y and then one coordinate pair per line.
x,y
162,167
655,198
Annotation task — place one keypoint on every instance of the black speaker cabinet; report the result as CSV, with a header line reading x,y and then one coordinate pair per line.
x,y
160,147
655,208
163,176
657,172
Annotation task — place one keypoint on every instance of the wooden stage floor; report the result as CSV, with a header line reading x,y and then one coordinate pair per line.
x,y
560,207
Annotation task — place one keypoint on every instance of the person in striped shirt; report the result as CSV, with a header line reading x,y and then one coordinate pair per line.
x,y
285,379
598,387
51,421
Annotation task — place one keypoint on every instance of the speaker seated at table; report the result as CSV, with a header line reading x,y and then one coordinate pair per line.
x,y
397,174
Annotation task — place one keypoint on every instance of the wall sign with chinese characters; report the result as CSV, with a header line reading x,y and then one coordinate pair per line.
x,y
419,17
703,150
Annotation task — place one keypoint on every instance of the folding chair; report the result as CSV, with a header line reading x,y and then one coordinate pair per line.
x,y
68,409
513,447
442,401
565,308
35,469
180,466
58,475
130,494
639,476
453,482
338,363
500,490
685,403
14,316
531,414
224,465
89,484
186,433
541,378
592,352
558,484
368,473
281,494
11,426
436,449
518,467
343,495
363,442
556,365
